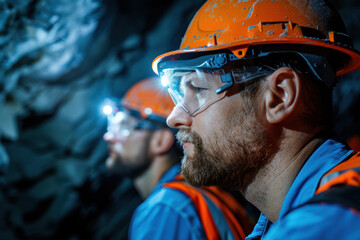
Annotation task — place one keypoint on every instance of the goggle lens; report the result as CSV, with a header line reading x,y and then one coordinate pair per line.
x,y
122,123
195,90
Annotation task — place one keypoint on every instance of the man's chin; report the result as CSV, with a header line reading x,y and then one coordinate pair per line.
x,y
116,166
111,163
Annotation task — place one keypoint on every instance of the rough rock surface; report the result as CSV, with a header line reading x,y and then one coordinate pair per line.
x,y
59,60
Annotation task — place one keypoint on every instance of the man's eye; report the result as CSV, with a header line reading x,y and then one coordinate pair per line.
x,y
199,89
196,89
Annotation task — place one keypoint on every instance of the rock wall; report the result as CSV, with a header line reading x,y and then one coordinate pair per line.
x,y
59,60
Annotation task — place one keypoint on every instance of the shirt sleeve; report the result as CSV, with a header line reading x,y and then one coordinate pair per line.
x,y
317,221
166,221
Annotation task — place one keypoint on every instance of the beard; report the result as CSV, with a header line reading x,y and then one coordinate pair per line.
x,y
229,158
117,164
129,171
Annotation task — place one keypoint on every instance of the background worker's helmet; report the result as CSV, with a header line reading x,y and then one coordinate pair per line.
x,y
145,106
280,25
149,98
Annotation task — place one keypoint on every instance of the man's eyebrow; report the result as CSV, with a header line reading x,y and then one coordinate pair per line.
x,y
189,78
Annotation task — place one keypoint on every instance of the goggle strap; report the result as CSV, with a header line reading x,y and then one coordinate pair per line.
x,y
320,67
317,63
213,61
228,79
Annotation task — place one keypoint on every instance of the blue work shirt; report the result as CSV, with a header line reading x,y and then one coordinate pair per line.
x,y
312,221
166,214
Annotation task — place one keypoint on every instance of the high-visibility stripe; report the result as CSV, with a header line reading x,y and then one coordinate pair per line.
x,y
350,177
228,205
232,212
211,230
344,195
341,184
346,173
223,227
352,162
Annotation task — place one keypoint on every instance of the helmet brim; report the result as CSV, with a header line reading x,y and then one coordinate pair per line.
x,y
239,48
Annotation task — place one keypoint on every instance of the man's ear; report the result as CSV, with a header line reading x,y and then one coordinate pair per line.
x,y
161,141
282,95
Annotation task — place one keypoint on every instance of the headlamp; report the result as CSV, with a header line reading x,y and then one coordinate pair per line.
x,y
107,110
121,122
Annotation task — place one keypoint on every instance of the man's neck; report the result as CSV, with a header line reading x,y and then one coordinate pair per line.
x,y
267,192
146,182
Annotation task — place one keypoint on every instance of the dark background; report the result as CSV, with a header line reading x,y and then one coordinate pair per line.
x,y
59,61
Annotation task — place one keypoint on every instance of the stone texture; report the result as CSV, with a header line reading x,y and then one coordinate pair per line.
x,y
59,60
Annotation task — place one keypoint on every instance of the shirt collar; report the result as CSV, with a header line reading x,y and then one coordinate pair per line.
x,y
329,154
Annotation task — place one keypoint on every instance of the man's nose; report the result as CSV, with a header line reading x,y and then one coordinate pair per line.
x,y
178,118
112,137
109,137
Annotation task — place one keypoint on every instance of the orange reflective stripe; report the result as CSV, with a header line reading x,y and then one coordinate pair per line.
x,y
207,221
350,177
228,205
233,212
180,177
352,162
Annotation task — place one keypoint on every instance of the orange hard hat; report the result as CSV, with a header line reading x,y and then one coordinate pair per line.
x,y
238,25
149,98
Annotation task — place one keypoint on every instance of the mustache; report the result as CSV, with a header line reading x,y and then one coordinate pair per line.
x,y
111,147
184,135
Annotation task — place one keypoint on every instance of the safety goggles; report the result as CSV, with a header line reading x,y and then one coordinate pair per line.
x,y
122,123
198,83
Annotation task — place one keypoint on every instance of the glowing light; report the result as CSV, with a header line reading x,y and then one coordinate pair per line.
x,y
148,111
119,117
107,109
164,81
